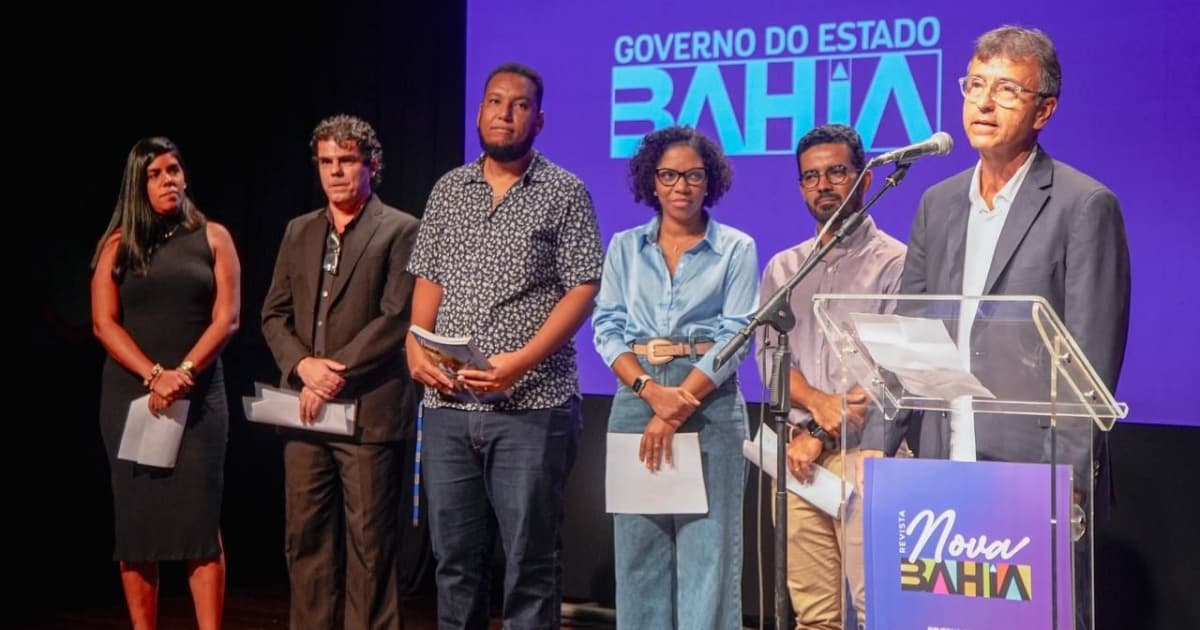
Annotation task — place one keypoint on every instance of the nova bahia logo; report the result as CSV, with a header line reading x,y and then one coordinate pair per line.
x,y
981,570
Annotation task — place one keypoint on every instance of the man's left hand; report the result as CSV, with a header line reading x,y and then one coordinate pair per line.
x,y
507,369
802,451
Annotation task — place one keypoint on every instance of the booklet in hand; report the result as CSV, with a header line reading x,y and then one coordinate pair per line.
x,y
453,354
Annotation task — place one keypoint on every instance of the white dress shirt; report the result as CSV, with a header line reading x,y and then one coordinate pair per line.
x,y
983,232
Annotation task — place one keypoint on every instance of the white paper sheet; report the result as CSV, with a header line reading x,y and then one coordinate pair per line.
x,y
281,407
921,354
822,492
152,441
630,488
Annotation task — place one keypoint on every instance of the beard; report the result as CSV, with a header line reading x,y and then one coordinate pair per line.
x,y
505,152
827,205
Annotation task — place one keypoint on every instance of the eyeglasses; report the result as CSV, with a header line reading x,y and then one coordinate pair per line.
x,y
333,252
670,176
836,174
1005,93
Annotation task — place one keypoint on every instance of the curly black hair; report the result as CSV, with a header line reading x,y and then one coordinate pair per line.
x,y
644,163
345,128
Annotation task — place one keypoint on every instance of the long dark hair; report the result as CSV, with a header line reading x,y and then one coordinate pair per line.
x,y
141,228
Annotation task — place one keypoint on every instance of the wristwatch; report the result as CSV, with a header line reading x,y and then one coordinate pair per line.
x,y
815,430
639,384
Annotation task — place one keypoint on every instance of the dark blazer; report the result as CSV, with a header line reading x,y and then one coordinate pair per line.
x,y
1064,239
368,317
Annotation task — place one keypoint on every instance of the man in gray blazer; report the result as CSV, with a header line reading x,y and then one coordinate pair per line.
x,y
1021,223
335,318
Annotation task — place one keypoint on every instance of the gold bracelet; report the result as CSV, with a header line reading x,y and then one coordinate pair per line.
x,y
186,368
154,372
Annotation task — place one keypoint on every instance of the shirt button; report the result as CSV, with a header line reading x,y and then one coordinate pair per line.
x,y
325,294
319,322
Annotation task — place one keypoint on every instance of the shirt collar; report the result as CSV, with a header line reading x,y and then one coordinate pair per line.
x,y
357,215
856,239
1006,194
649,233
535,172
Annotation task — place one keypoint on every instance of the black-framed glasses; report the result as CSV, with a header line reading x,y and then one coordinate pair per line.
x,y
1004,92
333,253
670,176
835,175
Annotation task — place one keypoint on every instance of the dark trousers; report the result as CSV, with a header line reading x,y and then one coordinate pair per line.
x,y
340,538
489,473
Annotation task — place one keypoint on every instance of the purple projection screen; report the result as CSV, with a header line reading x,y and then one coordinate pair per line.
x,y
757,76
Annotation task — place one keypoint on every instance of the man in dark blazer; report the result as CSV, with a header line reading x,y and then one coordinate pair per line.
x,y
1021,223
335,318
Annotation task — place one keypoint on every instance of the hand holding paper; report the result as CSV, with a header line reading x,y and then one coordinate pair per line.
x,y
282,408
631,488
151,440
655,446
822,492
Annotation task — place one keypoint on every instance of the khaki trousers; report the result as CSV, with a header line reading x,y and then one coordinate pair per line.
x,y
816,579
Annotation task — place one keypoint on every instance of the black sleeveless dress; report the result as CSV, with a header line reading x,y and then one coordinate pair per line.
x,y
169,514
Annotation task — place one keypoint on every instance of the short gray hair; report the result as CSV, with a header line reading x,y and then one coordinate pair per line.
x,y
1016,42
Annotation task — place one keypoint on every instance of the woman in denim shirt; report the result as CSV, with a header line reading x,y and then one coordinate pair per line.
x,y
674,291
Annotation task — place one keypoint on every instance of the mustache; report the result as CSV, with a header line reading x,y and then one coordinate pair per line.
x,y
505,152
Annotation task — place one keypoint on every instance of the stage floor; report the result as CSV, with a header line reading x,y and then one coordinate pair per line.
x,y
266,608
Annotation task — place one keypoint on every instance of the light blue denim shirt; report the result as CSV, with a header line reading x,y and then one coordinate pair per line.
x,y
713,295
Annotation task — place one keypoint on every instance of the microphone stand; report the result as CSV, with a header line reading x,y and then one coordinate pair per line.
x,y
777,313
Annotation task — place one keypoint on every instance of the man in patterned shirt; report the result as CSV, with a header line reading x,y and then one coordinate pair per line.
x,y
509,254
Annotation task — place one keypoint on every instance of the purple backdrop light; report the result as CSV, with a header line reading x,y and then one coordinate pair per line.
x,y
758,77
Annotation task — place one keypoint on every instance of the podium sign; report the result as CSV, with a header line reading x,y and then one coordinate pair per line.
x,y
964,544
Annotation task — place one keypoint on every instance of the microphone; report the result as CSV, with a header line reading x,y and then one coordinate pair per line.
x,y
939,143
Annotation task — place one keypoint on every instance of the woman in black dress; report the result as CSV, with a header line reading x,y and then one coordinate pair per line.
x,y
165,300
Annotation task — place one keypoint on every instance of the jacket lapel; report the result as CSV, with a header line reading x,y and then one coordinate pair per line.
x,y
312,247
353,249
956,241
1031,198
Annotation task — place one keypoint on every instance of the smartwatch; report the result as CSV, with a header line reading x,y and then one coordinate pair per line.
x,y
815,430
639,384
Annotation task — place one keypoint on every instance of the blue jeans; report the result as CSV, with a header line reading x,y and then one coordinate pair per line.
x,y
505,473
685,571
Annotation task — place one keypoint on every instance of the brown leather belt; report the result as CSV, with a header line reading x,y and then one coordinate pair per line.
x,y
660,351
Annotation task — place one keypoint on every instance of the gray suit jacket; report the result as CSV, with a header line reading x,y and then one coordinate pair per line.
x,y
368,316
1064,239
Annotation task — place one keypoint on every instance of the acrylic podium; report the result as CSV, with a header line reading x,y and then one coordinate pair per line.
x,y
989,525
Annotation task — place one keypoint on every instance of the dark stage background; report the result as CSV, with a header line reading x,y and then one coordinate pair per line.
x,y
240,94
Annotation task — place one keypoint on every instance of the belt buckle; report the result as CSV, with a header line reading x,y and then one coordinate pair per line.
x,y
652,355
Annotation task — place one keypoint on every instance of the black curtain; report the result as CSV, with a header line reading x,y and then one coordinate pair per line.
x,y
240,94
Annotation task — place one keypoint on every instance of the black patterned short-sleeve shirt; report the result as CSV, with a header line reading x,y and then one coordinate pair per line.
x,y
502,271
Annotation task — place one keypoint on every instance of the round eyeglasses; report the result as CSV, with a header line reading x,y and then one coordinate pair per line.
x,y
835,175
